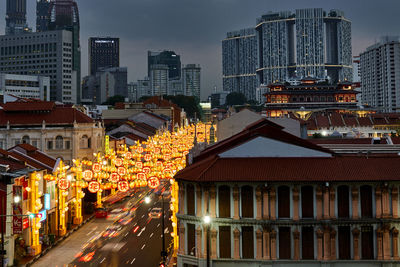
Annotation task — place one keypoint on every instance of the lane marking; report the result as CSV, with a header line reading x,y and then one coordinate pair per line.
x,y
127,234
103,260
158,225
151,235
143,216
143,246
133,261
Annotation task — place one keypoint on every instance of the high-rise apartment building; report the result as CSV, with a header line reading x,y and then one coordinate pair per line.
x,y
191,80
107,82
16,17
103,53
239,60
285,45
42,15
168,58
159,79
309,42
43,53
380,75
64,15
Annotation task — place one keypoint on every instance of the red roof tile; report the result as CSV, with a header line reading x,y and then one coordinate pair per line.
x,y
322,121
32,156
58,115
215,169
351,121
336,120
28,106
360,141
365,121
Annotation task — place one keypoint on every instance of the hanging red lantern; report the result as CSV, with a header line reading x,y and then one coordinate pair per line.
x,y
96,167
123,186
139,164
141,176
121,171
128,155
114,177
140,150
153,182
146,170
63,184
118,162
147,157
87,175
93,187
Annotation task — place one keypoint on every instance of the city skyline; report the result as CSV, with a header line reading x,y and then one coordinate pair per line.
x,y
199,39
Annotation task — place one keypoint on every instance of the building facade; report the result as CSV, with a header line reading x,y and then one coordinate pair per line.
x,y
64,15
42,15
144,87
168,58
45,54
309,42
239,61
278,200
309,94
380,75
59,131
103,53
159,79
191,80
16,17
25,86
106,83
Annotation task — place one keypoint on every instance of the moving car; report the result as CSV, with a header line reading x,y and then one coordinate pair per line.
x,y
155,213
101,213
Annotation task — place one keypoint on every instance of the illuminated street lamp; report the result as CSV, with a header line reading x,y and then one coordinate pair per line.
x,y
207,222
147,200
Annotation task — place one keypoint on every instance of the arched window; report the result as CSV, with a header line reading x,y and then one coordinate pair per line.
x,y
366,201
283,202
84,142
307,202
343,201
26,139
247,201
59,142
224,201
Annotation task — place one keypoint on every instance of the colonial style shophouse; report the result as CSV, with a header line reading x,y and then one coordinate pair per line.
x,y
57,130
277,200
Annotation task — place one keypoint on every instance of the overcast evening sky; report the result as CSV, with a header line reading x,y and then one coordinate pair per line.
x,y
194,28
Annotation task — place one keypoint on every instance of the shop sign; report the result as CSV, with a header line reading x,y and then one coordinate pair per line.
x,y
42,215
17,210
88,175
46,201
25,223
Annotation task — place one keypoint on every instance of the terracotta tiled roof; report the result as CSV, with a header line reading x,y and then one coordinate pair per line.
x,y
57,115
322,121
14,165
32,156
28,106
350,121
365,121
336,120
215,169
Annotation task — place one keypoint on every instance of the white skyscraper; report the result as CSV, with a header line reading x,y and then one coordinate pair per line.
x,y
380,75
159,79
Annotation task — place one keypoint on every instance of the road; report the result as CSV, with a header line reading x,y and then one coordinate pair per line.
x,y
103,242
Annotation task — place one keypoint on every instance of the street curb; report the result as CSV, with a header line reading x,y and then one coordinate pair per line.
x,y
44,252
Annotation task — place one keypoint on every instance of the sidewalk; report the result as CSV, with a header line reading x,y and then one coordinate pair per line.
x,y
28,261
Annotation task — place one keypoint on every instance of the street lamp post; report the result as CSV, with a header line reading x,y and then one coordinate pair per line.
x,y
207,221
163,252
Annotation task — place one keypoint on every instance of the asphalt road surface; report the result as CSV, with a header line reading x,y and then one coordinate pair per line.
x,y
129,237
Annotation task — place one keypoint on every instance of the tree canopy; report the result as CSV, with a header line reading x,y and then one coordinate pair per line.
x,y
235,98
114,99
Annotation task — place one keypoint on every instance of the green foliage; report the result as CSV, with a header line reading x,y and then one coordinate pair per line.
x,y
144,98
190,104
235,98
114,99
317,135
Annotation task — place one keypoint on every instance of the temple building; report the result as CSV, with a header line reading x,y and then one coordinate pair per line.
x,y
278,200
309,94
